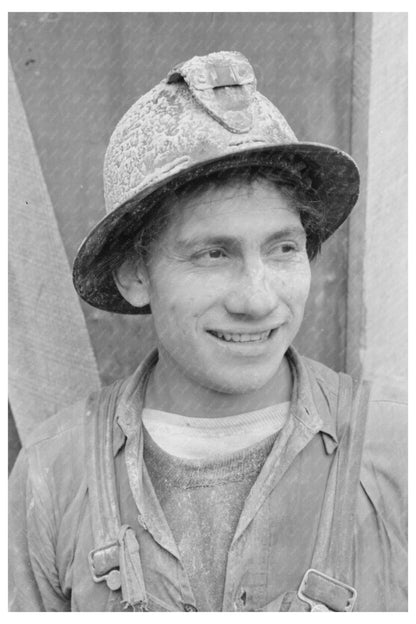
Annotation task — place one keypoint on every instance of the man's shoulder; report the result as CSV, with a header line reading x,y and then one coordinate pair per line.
x,y
386,431
388,415
51,464
389,391
387,407
60,440
387,395
384,466
58,428
54,452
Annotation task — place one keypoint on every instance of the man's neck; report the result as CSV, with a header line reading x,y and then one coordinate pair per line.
x,y
168,390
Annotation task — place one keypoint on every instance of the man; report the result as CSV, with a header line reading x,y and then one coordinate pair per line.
x,y
228,473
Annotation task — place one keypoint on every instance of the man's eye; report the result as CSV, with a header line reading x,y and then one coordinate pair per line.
x,y
284,249
212,254
208,256
288,247
216,253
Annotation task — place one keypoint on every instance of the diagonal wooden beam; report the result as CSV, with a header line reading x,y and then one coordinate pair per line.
x,y
51,361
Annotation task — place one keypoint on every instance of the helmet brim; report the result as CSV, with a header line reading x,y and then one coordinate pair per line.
x,y
337,184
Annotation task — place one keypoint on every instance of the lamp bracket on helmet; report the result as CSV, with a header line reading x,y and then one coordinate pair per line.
x,y
224,84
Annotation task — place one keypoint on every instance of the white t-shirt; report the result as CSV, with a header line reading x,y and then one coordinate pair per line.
x,y
205,438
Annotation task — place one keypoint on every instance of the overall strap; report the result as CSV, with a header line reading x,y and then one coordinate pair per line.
x,y
327,583
115,558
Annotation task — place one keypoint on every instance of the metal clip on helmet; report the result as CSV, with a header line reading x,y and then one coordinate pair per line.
x,y
205,116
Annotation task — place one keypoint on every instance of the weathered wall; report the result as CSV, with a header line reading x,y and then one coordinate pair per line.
x,y
377,300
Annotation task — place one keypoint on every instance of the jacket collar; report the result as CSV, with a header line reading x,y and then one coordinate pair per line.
x,y
313,403
316,398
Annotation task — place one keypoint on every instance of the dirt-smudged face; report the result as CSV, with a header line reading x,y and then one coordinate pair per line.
x,y
227,285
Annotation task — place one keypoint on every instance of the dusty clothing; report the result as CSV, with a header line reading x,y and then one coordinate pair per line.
x,y
202,470
202,502
50,521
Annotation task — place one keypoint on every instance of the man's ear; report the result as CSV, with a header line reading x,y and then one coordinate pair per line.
x,y
132,282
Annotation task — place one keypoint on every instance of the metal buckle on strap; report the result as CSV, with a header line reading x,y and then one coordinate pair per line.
x,y
104,565
324,593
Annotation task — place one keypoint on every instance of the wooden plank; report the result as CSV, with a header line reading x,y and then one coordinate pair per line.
x,y
377,300
51,362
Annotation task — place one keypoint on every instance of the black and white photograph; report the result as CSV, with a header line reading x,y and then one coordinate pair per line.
x,y
207,311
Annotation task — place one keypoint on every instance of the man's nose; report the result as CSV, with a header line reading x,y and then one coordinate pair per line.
x,y
254,292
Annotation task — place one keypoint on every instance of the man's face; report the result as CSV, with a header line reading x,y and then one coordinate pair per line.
x,y
227,283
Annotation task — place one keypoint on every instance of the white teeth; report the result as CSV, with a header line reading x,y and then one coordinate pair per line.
x,y
243,337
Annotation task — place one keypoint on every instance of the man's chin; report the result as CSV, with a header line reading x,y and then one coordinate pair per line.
x,y
239,384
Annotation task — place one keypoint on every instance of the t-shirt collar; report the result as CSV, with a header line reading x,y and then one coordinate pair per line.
x,y
310,401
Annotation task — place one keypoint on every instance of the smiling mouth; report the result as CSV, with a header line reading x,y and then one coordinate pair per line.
x,y
246,338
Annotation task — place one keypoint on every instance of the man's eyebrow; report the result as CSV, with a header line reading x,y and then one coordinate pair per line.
x,y
207,240
296,231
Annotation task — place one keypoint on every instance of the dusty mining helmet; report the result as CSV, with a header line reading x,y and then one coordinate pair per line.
x,y
207,115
